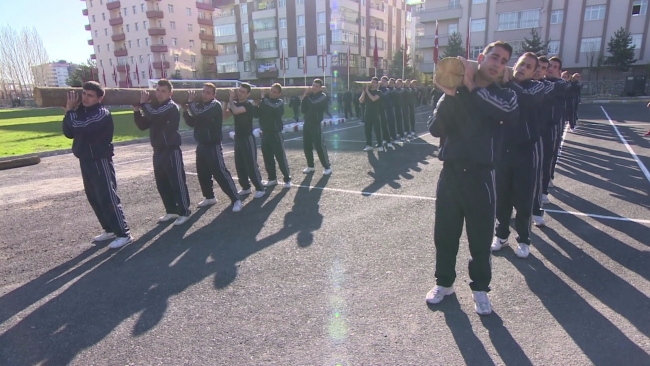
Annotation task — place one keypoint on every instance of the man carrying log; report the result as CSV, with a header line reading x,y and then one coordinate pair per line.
x,y
90,126
270,111
162,121
314,105
206,117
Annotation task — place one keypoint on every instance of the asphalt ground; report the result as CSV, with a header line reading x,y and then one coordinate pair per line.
x,y
333,271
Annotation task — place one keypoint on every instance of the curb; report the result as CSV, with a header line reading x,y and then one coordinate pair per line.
x,y
614,101
20,162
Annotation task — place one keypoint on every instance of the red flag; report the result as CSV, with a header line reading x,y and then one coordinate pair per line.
x,y
150,70
435,46
304,61
282,61
92,74
348,59
162,71
405,48
375,54
115,75
137,73
324,56
104,75
468,37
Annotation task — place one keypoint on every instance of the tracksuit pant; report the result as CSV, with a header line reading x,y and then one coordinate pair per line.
x,y
399,121
406,119
296,113
383,120
537,197
556,149
169,171
465,195
272,150
246,163
411,108
100,186
390,118
347,107
357,110
549,140
515,176
209,164
312,138
371,123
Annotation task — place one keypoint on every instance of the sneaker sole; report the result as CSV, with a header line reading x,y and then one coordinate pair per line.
x,y
434,303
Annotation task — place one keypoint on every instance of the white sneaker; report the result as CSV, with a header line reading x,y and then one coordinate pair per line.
x,y
498,243
181,220
244,192
259,194
236,207
539,221
523,250
368,148
104,236
550,184
308,170
287,185
270,183
380,148
207,202
396,141
120,242
327,171
391,146
168,217
438,293
545,199
483,306
413,135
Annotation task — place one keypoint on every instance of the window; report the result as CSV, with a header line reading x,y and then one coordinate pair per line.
x,y
189,27
91,3
284,43
191,43
174,42
553,47
283,22
99,48
101,63
301,41
363,62
137,27
144,24
244,8
363,21
639,7
479,1
132,60
321,39
264,24
170,8
201,15
230,66
282,3
146,41
590,44
452,28
93,18
301,20
193,58
244,28
225,30
363,41
321,17
518,20
125,12
557,16
110,61
343,36
266,44
133,9
247,47
300,2
108,47
319,61
478,25
141,58
188,11
161,41
142,8
636,40
128,28
175,58
301,62
103,16
105,32
595,12
475,51
172,25
139,43
129,44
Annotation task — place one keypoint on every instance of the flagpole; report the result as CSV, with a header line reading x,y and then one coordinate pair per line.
x,y
404,52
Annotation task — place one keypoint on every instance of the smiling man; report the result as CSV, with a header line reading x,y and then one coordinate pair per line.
x,y
470,118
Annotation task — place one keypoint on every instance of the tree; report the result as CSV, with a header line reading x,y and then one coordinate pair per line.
x,y
206,70
82,73
621,48
397,65
20,52
455,46
535,44
594,57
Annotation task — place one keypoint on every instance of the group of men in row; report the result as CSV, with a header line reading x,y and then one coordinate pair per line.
x,y
90,125
499,143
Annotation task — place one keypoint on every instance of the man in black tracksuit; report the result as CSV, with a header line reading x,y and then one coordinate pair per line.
x,y
388,129
414,99
396,98
294,103
471,119
371,102
90,125
314,104
270,111
206,117
347,104
357,106
162,121
245,144
516,170
572,104
406,110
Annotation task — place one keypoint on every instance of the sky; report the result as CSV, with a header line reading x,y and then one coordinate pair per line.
x,y
59,22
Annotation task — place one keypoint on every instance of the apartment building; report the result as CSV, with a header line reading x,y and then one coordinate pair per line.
x,y
578,30
52,74
252,37
134,39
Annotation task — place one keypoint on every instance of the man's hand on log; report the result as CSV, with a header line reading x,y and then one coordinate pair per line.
x,y
232,96
191,95
72,101
144,97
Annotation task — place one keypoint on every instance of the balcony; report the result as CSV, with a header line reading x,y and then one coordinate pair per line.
x,y
116,21
85,12
267,73
157,65
448,12
87,27
121,68
121,53
378,10
229,75
110,5
159,48
153,14
207,5
429,41
205,21
206,37
157,31
116,37
205,52
93,56
265,9
90,42
223,19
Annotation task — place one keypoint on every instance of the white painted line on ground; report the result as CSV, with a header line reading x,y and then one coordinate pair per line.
x,y
636,158
595,216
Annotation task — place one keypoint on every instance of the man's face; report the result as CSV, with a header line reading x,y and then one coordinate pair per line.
x,y
207,94
384,83
242,94
553,70
577,77
525,68
391,83
163,93
316,87
414,84
400,84
493,64
540,72
89,98
374,84
274,93
565,76
407,84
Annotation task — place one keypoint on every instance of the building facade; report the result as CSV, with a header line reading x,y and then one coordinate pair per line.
x,y
53,74
577,30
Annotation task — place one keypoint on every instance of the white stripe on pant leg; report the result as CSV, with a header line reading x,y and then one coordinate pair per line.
x,y
224,170
116,207
179,173
256,169
284,155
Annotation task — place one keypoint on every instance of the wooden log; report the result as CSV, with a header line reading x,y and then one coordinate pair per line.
x,y
450,70
19,162
56,97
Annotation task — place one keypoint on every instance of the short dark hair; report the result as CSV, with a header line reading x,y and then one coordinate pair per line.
x,y
94,86
533,55
543,59
399,81
384,78
556,59
246,86
211,86
277,86
318,81
374,78
165,82
505,45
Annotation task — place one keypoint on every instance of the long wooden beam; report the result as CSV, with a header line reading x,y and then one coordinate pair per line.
x,y
56,97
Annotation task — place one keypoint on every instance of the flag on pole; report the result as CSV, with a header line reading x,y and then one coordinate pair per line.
x,y
115,75
348,59
128,76
104,75
162,70
406,47
468,37
150,70
282,61
304,61
92,74
324,57
375,55
435,46
137,73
